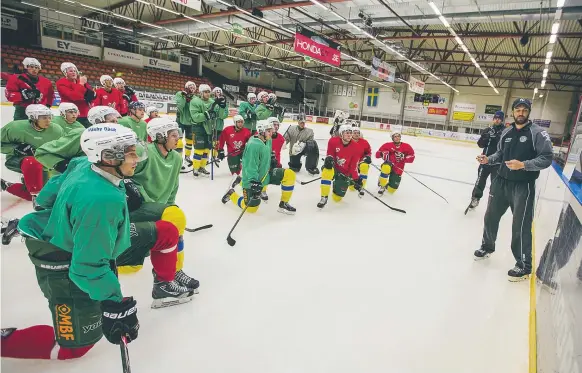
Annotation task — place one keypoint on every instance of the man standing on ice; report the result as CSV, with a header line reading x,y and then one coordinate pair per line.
x,y
524,149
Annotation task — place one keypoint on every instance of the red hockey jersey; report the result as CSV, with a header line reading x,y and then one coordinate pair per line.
x,y
277,143
365,148
104,98
124,109
235,140
345,156
18,82
72,91
399,155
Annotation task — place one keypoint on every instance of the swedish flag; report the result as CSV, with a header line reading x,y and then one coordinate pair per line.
x,y
373,96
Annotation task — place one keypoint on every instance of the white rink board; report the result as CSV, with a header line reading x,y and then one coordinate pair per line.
x,y
353,288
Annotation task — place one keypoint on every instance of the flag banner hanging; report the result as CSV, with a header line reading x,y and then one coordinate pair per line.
x,y
382,70
373,96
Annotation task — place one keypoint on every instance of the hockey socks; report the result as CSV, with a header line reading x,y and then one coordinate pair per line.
x,y
164,254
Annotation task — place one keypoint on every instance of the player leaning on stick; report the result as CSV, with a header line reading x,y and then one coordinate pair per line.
x,y
488,142
153,195
247,111
184,119
204,111
259,170
395,155
340,166
20,139
235,138
75,244
523,150
364,157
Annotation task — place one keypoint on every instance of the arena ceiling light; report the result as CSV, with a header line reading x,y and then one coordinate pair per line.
x,y
553,39
460,43
381,44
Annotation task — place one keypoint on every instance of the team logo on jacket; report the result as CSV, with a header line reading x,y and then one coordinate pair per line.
x,y
523,139
341,161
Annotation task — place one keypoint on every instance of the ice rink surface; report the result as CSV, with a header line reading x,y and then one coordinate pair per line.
x,y
355,287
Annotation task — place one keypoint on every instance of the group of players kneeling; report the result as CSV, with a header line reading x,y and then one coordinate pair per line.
x,y
113,203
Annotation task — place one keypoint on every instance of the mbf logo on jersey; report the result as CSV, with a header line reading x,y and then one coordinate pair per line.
x,y
341,161
237,144
523,139
337,150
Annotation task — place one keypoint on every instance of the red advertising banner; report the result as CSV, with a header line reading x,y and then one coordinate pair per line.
x,y
322,120
437,110
316,46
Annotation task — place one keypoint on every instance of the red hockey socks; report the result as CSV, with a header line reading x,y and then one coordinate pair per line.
x,y
38,342
19,190
33,176
164,254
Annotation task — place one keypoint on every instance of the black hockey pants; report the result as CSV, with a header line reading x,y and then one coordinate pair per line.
x,y
482,174
519,196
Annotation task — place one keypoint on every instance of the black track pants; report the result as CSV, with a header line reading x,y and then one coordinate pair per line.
x,y
482,174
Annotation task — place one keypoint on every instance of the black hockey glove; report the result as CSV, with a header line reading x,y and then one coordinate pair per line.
x,y
270,107
129,91
126,97
367,159
119,319
328,162
134,197
274,162
24,150
254,116
30,94
61,166
89,95
220,154
221,101
256,189
209,115
358,184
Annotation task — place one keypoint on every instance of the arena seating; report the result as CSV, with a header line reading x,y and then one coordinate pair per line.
x,y
140,79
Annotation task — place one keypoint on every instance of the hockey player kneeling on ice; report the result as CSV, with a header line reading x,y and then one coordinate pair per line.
x,y
68,118
395,155
204,111
235,138
152,194
339,166
259,170
134,120
74,244
302,143
20,139
56,155
364,157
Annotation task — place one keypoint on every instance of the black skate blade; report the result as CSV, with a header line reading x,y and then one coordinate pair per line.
x,y
199,228
231,241
518,279
286,212
170,301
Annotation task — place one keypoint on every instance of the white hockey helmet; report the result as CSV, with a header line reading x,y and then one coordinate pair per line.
x,y
67,65
118,80
250,96
237,118
264,125
217,89
151,109
204,88
97,114
273,120
261,95
190,84
67,106
36,110
344,128
30,61
158,129
272,98
108,142
105,78
356,129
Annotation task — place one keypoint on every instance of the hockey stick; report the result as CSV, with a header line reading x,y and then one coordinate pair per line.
x,y
199,228
231,241
310,181
124,355
408,173
385,204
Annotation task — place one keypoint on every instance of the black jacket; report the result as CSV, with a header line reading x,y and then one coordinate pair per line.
x,y
489,139
531,145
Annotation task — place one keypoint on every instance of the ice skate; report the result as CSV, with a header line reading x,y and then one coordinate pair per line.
x,y
322,202
226,197
35,205
474,203
202,171
264,197
186,166
286,208
236,181
517,274
481,254
167,294
187,281
381,190
10,231
313,171
5,184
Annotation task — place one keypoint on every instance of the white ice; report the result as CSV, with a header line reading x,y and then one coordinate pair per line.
x,y
355,287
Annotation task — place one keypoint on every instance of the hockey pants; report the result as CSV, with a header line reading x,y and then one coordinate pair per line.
x,y
278,176
202,146
311,153
340,184
520,197
363,169
389,179
189,140
33,174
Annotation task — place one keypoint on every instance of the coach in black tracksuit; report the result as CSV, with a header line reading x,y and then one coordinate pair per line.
x,y
488,142
523,150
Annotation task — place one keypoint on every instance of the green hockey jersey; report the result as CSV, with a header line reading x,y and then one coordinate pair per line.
x,y
65,148
158,177
66,127
197,109
139,127
250,123
183,107
256,161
